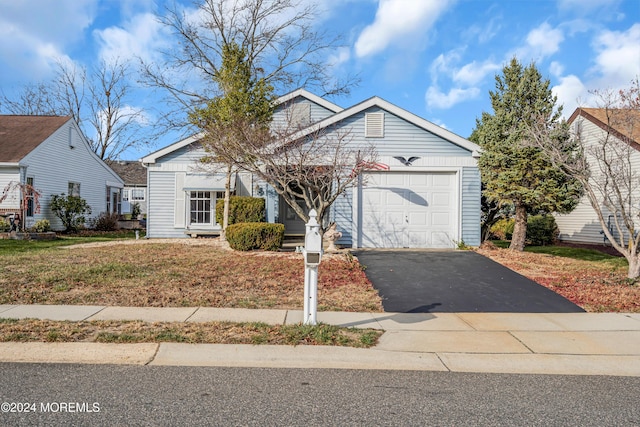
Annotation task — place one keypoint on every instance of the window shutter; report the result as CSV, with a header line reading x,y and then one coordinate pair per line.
x,y
179,210
374,125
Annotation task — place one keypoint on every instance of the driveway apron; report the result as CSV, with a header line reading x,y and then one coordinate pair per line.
x,y
455,281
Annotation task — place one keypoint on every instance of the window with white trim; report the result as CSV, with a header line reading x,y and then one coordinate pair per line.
x,y
201,207
125,195
137,194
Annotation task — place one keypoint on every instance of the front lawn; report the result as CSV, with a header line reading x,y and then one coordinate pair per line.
x,y
10,246
150,274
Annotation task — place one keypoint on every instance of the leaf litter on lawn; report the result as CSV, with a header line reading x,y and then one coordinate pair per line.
x,y
596,286
178,274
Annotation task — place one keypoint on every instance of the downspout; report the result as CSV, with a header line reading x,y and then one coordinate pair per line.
x,y
146,166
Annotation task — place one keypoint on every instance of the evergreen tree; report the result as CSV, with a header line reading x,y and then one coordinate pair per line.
x,y
514,170
239,116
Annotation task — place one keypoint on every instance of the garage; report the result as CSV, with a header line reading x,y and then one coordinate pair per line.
x,y
409,210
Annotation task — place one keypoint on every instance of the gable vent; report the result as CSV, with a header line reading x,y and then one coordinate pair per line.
x,y
374,125
300,115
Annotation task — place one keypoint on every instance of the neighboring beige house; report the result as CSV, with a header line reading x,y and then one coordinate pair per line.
x,y
134,176
51,154
594,125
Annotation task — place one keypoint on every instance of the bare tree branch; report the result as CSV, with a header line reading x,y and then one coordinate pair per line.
x,y
279,37
96,100
608,167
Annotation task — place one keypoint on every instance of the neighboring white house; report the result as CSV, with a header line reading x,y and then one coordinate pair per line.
x,y
433,200
582,224
51,154
134,176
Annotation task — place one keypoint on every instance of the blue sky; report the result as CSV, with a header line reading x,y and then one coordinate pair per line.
x,y
435,58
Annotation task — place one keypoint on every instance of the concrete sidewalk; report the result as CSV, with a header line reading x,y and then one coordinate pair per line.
x,y
540,343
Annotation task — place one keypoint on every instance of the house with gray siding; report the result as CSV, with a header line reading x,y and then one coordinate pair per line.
x,y
51,154
425,192
134,192
597,126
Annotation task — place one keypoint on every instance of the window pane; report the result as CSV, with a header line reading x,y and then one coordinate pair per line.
x,y
200,204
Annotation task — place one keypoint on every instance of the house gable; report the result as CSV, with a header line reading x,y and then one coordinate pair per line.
x,y
398,124
61,160
20,135
582,224
606,121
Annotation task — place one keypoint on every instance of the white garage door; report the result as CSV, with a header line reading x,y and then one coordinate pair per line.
x,y
409,210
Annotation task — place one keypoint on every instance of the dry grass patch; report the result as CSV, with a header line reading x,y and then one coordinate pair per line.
x,y
29,330
175,275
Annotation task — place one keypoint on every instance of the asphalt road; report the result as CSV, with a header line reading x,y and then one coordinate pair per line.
x,y
163,396
455,282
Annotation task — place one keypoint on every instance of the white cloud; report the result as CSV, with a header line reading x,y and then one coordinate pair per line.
x,y
486,32
444,64
437,99
342,55
473,73
570,92
556,68
397,19
618,56
141,36
39,35
544,40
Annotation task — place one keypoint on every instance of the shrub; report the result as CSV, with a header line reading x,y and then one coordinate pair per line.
x,y
41,226
105,222
246,236
4,225
71,210
242,209
135,210
503,229
541,230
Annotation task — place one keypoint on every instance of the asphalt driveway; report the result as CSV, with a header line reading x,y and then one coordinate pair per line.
x,y
455,281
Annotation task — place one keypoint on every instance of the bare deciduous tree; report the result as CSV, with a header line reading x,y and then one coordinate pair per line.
x,y
96,99
607,164
278,37
309,168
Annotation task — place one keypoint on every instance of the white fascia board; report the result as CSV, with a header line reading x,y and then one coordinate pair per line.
x,y
311,97
151,158
10,164
400,112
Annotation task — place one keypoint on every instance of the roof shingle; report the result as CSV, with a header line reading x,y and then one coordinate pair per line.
x,y
19,135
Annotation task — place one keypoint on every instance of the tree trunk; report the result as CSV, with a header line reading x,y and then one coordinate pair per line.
x,y
634,267
227,202
519,229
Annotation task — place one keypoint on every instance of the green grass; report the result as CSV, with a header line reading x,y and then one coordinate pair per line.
x,y
569,252
9,246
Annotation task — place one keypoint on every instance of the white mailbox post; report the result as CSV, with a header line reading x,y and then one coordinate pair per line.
x,y
312,256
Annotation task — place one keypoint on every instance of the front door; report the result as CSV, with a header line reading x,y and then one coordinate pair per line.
x,y
293,224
